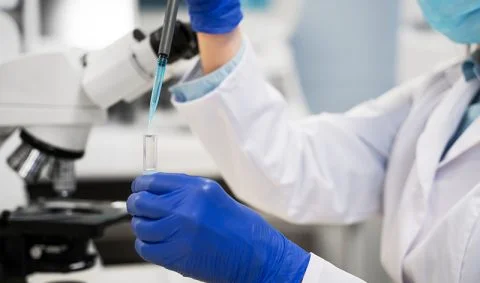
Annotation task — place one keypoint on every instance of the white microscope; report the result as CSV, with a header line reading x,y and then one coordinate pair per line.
x,y
55,98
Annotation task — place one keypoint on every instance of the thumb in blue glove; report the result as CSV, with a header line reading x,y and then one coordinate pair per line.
x,y
191,226
215,16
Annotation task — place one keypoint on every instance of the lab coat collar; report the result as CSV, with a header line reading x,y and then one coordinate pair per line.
x,y
471,136
440,127
452,70
469,139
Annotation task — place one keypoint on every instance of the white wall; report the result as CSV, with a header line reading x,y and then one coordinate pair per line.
x,y
10,37
419,48
345,51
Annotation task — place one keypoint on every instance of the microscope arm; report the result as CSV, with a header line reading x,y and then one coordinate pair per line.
x,y
72,88
125,69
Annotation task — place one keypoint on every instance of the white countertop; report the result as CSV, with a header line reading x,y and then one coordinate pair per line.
x,y
141,273
116,152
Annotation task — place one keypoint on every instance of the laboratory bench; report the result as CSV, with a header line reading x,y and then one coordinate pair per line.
x,y
120,263
144,273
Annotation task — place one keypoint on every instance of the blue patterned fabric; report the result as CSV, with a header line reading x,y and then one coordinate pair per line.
x,y
196,85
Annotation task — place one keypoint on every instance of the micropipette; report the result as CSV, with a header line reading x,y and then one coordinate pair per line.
x,y
149,140
163,53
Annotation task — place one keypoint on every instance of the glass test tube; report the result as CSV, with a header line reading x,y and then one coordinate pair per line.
x,y
149,154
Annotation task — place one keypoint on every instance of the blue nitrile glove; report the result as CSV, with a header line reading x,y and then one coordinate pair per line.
x,y
214,16
191,226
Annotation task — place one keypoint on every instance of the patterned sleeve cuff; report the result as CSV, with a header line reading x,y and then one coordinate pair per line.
x,y
196,85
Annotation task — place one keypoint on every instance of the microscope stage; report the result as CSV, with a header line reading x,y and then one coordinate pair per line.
x,y
66,218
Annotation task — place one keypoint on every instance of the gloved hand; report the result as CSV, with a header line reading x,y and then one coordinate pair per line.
x,y
191,226
214,16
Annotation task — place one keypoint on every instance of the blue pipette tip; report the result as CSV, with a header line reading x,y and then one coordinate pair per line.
x,y
157,87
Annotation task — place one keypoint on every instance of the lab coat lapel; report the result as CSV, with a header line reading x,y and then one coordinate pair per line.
x,y
439,129
430,146
469,139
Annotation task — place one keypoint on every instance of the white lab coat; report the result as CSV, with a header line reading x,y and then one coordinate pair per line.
x,y
380,157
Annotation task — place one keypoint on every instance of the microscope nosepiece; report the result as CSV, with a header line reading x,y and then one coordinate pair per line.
x,y
28,162
34,158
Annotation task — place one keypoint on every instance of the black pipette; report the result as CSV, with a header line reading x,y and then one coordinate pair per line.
x,y
168,28
163,53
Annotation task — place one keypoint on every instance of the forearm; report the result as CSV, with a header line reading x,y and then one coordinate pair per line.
x,y
217,50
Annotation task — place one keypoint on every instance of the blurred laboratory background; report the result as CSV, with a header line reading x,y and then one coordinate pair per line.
x,y
322,55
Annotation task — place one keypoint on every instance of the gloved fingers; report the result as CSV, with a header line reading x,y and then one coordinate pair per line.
x,y
203,7
163,254
215,16
162,183
153,231
145,204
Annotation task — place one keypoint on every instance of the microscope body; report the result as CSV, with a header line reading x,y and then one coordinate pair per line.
x,y
55,98
43,94
46,94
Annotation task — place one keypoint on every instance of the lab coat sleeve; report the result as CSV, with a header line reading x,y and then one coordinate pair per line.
x,y
327,168
321,271
195,84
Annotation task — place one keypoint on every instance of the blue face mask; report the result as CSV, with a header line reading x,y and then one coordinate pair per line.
x,y
457,19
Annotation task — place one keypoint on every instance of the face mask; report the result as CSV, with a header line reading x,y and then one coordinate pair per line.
x,y
457,19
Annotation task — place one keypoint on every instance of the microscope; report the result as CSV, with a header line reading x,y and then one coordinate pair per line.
x,y
54,99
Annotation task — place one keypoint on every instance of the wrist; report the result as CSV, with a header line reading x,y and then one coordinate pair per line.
x,y
289,265
216,50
